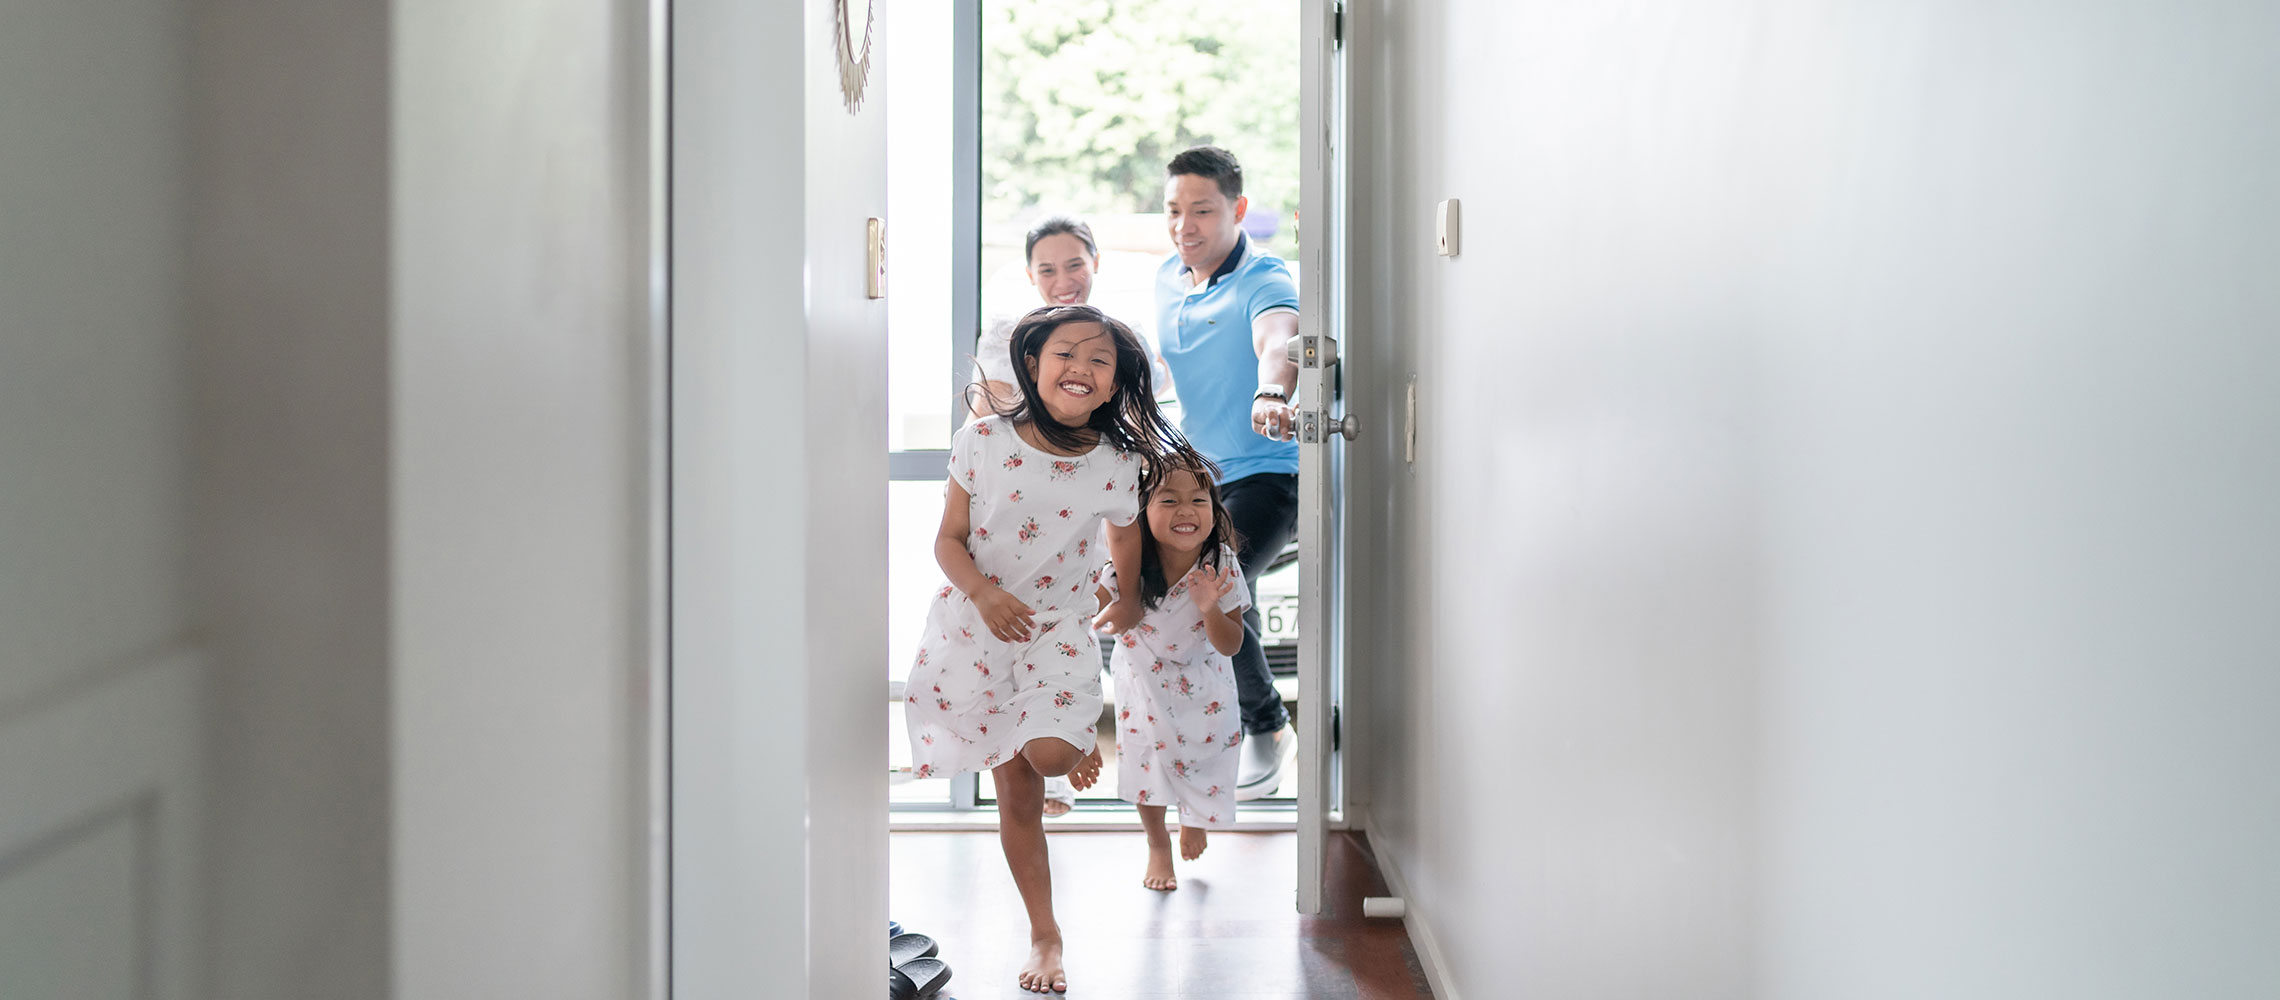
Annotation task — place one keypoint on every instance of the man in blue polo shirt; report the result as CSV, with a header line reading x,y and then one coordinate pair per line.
x,y
1224,312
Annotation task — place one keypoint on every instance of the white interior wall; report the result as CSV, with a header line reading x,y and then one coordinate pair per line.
x,y
93,189
2020,474
779,402
521,441
1839,558
845,422
99,667
289,271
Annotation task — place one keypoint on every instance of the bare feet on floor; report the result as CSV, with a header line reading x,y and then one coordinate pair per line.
x,y
1087,772
1159,874
1192,841
1044,974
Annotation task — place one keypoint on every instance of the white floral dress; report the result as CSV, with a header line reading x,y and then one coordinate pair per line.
x,y
1177,723
1035,530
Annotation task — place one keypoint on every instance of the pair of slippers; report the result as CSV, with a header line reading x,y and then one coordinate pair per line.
x,y
913,973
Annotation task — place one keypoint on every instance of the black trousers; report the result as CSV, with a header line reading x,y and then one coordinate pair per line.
x,y
1264,509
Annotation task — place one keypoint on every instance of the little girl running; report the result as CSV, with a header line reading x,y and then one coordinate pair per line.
x,y
1176,724
1008,675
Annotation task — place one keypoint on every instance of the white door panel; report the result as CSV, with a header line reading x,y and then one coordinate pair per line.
x,y
68,926
98,837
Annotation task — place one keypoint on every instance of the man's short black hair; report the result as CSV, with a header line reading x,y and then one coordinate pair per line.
x,y
1212,162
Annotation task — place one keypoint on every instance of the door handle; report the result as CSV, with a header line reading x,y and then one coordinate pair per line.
x,y
1313,425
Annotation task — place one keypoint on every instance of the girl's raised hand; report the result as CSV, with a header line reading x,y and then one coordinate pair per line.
x,y
1006,616
1210,586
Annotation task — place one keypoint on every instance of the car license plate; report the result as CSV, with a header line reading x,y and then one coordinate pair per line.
x,y
1278,620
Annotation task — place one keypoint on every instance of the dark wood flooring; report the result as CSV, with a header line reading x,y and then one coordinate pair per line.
x,y
1230,932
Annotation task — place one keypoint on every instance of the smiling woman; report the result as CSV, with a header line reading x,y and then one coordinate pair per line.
x,y
1062,258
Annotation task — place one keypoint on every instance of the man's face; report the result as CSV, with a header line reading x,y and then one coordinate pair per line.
x,y
1203,221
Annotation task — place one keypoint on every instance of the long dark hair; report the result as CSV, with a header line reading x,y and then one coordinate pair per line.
x,y
1129,421
1153,586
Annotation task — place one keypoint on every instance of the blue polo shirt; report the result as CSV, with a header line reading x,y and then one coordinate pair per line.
x,y
1205,332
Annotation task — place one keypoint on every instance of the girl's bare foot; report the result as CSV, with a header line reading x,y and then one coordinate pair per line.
x,y
1087,772
1060,797
1192,841
1159,874
1044,974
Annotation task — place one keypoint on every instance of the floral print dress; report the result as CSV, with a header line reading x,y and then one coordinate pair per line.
x,y
1035,530
1177,724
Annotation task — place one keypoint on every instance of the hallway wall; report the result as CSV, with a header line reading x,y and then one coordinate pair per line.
x,y
1839,559
779,417
289,369
94,501
520,444
100,666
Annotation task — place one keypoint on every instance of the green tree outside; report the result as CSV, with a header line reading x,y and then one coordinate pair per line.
x,y
1083,102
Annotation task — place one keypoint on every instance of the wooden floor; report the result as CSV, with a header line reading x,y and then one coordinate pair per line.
x,y
1230,932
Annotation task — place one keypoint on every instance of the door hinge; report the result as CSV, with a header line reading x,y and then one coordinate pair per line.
x,y
1338,26
1337,728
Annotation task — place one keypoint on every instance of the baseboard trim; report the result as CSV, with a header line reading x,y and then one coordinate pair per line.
x,y
1415,920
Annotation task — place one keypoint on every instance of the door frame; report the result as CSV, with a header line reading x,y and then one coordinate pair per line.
x,y
1322,320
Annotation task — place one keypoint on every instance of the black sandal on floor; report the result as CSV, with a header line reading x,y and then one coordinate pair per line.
x,y
903,948
921,977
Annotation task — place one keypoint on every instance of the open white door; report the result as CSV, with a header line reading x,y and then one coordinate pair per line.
x,y
1321,431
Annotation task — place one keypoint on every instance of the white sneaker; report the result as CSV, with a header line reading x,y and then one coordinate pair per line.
x,y
1261,771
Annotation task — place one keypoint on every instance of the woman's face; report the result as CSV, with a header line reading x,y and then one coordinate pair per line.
x,y
1062,270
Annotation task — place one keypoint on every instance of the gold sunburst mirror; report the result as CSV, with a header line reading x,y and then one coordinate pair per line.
x,y
854,51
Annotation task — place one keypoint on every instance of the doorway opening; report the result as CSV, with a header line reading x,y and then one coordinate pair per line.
x,y
1003,112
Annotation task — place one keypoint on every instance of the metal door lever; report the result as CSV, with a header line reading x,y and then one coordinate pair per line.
x,y
1312,425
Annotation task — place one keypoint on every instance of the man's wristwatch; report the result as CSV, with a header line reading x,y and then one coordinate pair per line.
x,y
1271,391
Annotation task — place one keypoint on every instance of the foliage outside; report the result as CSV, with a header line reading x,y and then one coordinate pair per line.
x,y
1085,101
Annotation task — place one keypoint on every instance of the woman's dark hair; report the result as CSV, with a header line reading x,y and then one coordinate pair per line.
x,y
1056,225
1153,586
1127,421
1213,162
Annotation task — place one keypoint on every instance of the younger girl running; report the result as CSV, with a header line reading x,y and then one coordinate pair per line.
x,y
1176,723
1008,675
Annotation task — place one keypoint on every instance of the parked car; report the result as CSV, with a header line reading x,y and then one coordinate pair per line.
x,y
1276,595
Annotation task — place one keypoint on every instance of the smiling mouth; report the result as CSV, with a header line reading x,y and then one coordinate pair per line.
x,y
1186,529
1067,300
1076,389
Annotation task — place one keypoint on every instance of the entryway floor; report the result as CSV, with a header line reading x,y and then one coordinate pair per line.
x,y
1230,932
